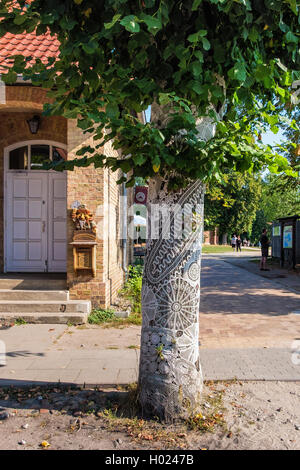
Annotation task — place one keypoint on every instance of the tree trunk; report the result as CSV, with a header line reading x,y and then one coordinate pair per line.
x,y
170,378
224,238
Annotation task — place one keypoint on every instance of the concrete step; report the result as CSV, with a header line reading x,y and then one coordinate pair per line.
x,y
32,283
17,294
76,318
36,306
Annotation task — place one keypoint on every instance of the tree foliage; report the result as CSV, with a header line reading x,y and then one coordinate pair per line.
x,y
232,205
283,182
279,203
117,57
275,203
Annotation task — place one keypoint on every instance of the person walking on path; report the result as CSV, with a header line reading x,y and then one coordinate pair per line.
x,y
233,241
238,244
264,243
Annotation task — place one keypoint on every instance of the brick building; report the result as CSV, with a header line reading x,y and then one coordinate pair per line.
x,y
211,237
36,228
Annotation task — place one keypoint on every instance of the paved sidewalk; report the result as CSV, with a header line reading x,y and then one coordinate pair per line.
x,y
239,309
248,331
287,278
119,367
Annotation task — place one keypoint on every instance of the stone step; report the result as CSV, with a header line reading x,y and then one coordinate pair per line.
x,y
76,318
17,307
32,283
17,294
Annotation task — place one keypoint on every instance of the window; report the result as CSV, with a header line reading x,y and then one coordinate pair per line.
x,y
58,154
33,156
18,159
40,154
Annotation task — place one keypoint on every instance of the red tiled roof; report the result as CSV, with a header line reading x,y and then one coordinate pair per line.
x,y
27,44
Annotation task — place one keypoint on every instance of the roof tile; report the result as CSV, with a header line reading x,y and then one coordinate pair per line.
x,y
27,44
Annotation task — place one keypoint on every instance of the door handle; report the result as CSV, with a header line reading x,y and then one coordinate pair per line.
x,y
43,226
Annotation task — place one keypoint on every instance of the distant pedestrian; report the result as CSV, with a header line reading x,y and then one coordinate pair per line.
x,y
264,243
233,242
238,244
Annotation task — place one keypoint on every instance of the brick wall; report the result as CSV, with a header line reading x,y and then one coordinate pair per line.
x,y
92,187
14,129
211,237
97,189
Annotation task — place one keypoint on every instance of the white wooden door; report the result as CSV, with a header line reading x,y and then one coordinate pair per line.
x,y
36,222
57,216
26,220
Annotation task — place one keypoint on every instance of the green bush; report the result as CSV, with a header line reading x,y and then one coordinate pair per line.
x,y
101,316
133,287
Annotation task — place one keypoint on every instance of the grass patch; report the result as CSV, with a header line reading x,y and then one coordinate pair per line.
x,y
98,316
20,321
223,249
108,319
216,248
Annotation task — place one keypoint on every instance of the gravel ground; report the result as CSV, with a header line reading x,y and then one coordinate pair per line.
x,y
248,415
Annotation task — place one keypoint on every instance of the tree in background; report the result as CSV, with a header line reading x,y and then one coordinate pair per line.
x,y
231,206
259,223
215,73
277,200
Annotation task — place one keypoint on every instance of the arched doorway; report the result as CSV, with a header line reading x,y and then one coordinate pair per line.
x,y
35,208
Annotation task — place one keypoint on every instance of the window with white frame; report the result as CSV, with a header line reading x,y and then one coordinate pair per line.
x,y
33,156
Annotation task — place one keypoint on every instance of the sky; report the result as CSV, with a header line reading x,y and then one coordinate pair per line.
x,y
272,139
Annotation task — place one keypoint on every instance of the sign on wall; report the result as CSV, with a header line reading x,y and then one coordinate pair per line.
x,y
276,231
140,196
288,236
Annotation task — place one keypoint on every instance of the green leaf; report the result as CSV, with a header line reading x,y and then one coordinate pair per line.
x,y
20,19
290,37
253,34
199,56
153,24
90,47
280,91
293,5
193,37
112,110
196,68
67,23
130,23
113,22
198,35
196,4
125,166
164,98
9,77
139,159
196,87
206,44
238,72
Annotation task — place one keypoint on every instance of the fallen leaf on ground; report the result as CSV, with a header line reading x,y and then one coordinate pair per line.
x,y
45,444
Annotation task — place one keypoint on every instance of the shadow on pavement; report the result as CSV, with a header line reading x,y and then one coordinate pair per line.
x,y
70,399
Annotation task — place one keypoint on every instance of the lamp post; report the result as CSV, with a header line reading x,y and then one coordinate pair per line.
x,y
34,124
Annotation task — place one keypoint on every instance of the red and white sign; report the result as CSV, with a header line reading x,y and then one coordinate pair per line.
x,y
140,196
